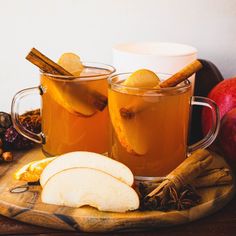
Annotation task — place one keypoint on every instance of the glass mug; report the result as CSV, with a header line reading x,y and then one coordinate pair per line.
x,y
70,118
149,127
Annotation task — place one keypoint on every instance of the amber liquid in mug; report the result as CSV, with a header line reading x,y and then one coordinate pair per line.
x,y
66,123
152,141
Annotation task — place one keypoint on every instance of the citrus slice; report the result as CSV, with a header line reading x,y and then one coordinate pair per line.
x,y
18,174
31,172
142,78
71,62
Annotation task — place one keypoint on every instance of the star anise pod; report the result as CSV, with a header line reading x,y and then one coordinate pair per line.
x,y
186,198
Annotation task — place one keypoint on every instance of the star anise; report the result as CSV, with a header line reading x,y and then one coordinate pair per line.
x,y
186,198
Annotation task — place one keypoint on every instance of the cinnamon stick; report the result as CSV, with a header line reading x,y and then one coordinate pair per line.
x,y
185,173
183,74
46,64
209,178
213,177
94,98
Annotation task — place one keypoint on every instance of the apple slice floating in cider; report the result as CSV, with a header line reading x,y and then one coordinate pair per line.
x,y
129,136
70,94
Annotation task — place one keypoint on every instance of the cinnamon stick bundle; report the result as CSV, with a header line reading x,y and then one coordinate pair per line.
x,y
209,178
185,173
178,190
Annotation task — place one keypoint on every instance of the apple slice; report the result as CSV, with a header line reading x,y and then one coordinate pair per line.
x,y
142,78
89,160
131,138
71,62
78,187
70,95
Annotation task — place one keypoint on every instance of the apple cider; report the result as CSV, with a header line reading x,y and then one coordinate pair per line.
x,y
70,122
149,127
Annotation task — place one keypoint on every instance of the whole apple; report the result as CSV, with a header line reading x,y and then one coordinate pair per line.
x,y
227,135
224,94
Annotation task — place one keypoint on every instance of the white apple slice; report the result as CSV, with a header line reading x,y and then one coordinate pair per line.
x,y
89,160
78,187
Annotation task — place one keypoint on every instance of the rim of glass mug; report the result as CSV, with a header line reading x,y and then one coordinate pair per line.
x,y
96,65
186,84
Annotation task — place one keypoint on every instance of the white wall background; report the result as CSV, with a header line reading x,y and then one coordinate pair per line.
x,y
91,27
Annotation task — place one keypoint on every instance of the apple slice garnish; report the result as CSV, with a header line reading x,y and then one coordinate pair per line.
x,y
71,62
131,138
70,94
142,78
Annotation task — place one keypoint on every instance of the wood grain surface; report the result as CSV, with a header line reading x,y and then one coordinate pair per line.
x,y
27,206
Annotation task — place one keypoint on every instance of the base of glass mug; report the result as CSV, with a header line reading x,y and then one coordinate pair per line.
x,y
46,154
147,179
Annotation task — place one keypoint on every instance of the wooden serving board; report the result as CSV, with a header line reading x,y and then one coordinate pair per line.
x,y
27,206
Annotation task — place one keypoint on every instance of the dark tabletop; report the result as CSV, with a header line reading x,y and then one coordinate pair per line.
x,y
221,223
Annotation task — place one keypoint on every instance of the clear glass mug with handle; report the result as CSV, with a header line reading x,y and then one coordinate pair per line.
x,y
150,127
73,108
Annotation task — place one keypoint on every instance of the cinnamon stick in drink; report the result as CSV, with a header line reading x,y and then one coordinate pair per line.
x,y
46,64
182,75
130,112
95,99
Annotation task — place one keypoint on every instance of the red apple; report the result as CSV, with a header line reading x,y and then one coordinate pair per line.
x,y
224,94
227,135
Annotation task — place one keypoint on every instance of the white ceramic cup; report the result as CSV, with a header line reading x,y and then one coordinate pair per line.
x,y
163,57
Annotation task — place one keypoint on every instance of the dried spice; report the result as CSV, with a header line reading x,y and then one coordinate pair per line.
x,y
174,192
183,199
13,140
31,120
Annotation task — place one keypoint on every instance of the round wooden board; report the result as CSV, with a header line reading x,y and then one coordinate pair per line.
x,y
27,206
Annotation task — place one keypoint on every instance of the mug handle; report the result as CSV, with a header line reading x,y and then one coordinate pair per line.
x,y
212,133
36,137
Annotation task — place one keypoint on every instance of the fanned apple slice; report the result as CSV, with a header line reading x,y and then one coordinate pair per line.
x,y
78,187
90,160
